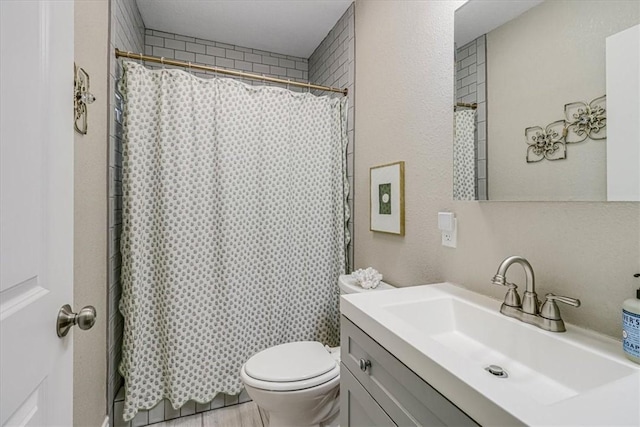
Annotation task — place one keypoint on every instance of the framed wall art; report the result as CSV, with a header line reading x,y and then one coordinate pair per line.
x,y
387,198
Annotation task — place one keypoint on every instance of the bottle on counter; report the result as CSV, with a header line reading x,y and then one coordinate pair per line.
x,y
631,327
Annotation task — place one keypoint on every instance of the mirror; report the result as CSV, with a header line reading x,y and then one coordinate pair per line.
x,y
538,116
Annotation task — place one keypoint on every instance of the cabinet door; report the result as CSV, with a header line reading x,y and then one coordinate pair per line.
x,y
404,396
357,407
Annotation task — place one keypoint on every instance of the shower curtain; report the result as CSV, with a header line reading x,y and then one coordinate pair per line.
x,y
464,160
233,237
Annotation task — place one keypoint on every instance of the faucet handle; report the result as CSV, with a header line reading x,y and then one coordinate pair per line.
x,y
550,309
512,298
567,300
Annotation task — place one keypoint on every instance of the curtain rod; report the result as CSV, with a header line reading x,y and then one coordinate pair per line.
x,y
464,104
141,57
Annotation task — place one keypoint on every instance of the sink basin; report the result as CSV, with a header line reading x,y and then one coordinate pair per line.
x,y
538,365
449,335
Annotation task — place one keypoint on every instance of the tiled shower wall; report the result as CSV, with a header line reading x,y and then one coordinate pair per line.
x,y
222,55
471,71
126,33
333,64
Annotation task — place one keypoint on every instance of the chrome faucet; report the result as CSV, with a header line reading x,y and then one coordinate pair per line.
x,y
528,310
530,301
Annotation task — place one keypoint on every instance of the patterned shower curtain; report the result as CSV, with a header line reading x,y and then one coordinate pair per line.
x,y
233,238
464,159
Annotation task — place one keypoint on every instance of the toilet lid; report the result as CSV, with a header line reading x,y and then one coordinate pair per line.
x,y
289,362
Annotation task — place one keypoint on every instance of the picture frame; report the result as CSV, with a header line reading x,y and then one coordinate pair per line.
x,y
386,188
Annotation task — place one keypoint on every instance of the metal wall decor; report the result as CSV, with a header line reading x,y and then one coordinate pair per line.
x,y
581,121
586,120
548,143
81,97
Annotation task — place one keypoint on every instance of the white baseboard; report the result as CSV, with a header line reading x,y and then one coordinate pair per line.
x,y
105,423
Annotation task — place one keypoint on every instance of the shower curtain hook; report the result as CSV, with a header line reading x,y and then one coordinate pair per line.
x,y
129,56
162,61
190,70
288,81
309,87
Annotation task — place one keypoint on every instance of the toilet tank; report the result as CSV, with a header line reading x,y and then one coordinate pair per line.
x,y
349,285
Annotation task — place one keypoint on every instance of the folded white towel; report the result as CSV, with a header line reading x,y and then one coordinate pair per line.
x,y
368,278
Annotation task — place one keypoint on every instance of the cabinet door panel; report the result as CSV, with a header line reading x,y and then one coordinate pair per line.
x,y
404,396
357,407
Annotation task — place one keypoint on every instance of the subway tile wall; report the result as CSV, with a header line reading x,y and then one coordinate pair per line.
x,y
223,55
471,71
333,64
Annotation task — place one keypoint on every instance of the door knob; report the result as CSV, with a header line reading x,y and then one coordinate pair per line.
x,y
85,319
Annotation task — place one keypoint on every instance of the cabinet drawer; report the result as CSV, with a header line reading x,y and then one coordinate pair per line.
x,y
404,396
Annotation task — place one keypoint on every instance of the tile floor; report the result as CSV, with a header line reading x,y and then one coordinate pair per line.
x,y
242,415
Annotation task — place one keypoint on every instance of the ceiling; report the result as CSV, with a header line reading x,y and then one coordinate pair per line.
x,y
294,27
477,17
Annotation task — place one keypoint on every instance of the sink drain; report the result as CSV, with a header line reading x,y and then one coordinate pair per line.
x,y
497,371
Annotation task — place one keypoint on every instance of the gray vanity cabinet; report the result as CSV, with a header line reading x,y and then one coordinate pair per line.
x,y
357,407
376,389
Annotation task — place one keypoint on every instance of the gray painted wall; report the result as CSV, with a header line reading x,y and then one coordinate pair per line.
x,y
587,250
91,28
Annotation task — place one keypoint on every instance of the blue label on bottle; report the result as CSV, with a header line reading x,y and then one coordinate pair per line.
x,y
631,333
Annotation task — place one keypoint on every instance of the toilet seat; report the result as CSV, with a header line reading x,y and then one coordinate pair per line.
x,y
291,366
290,386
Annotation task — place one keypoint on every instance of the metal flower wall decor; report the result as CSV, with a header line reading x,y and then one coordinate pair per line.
x,y
586,121
546,143
581,121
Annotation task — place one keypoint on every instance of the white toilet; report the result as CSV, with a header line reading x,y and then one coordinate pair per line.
x,y
298,383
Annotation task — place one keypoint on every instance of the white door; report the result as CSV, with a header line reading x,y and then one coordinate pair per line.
x,y
36,208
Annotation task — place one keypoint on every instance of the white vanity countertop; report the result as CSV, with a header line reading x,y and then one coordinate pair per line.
x,y
447,334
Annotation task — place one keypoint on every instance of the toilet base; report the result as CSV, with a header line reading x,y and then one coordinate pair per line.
x,y
316,406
